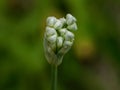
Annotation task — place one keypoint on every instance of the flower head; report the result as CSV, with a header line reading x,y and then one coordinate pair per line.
x,y
58,38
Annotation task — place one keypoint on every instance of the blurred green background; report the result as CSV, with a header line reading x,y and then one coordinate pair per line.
x,y
93,62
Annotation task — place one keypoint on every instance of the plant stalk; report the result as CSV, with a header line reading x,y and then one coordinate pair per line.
x,y
54,77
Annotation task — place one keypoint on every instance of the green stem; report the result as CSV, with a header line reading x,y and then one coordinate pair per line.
x,y
54,77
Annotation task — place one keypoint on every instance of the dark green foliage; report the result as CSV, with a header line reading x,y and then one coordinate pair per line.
x,y
92,63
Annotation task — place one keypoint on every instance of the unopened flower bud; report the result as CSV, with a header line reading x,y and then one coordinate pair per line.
x,y
62,31
69,36
58,25
67,43
72,26
50,31
70,19
59,42
52,39
63,20
51,21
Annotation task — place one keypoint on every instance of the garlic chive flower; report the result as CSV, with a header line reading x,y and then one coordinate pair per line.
x,y
63,20
62,31
51,35
58,24
59,42
50,31
51,21
58,38
72,26
70,19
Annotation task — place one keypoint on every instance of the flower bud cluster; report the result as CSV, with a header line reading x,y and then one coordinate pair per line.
x,y
58,37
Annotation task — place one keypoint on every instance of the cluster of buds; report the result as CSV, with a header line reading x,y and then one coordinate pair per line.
x,y
58,37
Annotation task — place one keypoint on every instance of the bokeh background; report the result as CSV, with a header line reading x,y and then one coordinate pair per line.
x,y
93,63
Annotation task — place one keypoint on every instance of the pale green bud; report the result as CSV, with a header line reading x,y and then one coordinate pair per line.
x,y
67,43
58,24
50,31
69,36
63,20
72,26
62,31
59,42
51,21
52,39
70,19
